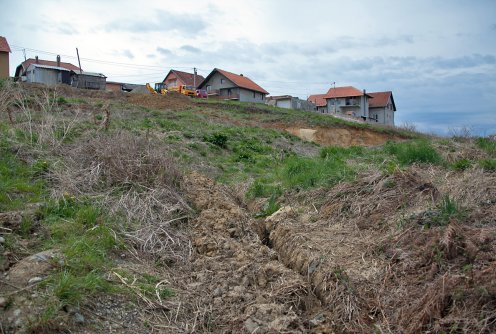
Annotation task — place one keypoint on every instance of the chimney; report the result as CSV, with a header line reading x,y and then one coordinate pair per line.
x,y
241,75
58,60
37,62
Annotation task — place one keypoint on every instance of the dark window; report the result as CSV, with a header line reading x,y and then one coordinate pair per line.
x,y
221,81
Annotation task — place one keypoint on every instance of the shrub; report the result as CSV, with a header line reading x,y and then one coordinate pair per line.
x,y
218,139
407,153
461,164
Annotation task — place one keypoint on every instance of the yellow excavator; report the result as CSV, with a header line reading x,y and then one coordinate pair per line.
x,y
161,88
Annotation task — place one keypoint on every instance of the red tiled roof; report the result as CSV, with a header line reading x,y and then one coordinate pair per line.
x,y
4,45
187,78
347,91
379,99
241,81
25,64
318,99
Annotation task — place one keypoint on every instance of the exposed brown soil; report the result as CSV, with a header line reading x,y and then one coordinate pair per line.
x,y
344,136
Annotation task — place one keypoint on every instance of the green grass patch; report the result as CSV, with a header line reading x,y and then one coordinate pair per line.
x,y
20,183
461,164
417,151
487,145
488,164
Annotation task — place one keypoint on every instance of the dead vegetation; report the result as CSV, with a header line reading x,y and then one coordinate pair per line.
x,y
405,250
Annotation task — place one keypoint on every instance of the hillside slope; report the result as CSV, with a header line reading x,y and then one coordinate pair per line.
x,y
162,214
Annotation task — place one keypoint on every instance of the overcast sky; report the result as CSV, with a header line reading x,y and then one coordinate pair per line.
x,y
438,57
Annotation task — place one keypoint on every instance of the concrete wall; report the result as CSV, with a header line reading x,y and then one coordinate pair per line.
x,y
246,95
384,115
215,82
4,64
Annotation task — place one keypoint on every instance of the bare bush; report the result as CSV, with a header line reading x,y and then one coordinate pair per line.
x,y
461,133
137,180
408,126
7,92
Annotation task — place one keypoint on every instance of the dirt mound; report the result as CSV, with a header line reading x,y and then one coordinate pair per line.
x,y
370,257
235,283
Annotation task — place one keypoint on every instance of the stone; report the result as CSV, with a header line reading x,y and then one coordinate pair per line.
x,y
2,240
317,320
251,326
78,318
35,280
3,302
17,313
217,292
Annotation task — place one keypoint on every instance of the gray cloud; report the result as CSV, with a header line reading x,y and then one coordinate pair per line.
x,y
189,48
163,21
49,26
125,53
164,51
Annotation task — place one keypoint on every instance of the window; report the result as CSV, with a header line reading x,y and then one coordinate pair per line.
x,y
221,81
331,102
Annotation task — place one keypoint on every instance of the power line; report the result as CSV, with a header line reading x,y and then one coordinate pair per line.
x,y
130,65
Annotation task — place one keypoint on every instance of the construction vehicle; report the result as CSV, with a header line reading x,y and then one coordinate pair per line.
x,y
161,88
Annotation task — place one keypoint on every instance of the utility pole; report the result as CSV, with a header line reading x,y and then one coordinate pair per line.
x,y
334,85
24,52
194,77
79,61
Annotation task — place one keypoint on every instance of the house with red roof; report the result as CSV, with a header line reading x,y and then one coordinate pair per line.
x,y
348,101
178,78
23,67
319,101
376,107
4,57
382,107
230,86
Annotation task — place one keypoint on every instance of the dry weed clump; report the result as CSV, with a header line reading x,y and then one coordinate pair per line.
x,y
136,178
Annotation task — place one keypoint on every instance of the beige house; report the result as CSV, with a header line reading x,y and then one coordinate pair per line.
x,y
4,57
178,78
229,86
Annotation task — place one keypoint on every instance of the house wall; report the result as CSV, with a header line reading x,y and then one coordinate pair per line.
x,y
43,75
88,82
361,109
173,81
114,87
380,113
4,64
246,95
285,103
297,103
215,82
